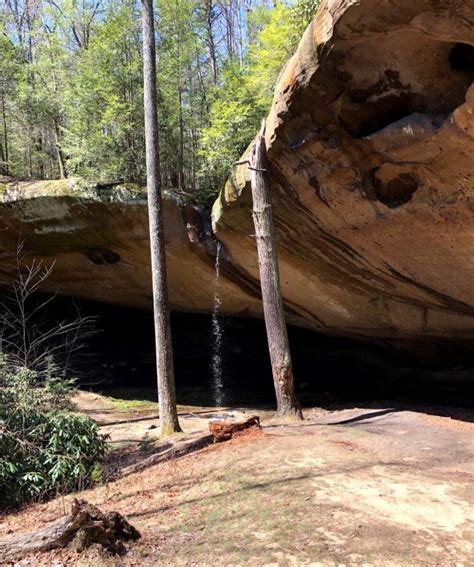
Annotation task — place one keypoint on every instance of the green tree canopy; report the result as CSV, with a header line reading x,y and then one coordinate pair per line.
x,y
71,86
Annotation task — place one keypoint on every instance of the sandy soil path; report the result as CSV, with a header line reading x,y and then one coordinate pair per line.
x,y
359,486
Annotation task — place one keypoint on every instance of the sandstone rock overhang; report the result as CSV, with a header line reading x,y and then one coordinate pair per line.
x,y
96,237
371,141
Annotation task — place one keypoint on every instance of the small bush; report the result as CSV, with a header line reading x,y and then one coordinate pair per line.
x,y
44,451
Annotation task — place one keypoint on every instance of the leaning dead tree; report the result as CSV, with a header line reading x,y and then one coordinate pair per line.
x,y
277,335
164,353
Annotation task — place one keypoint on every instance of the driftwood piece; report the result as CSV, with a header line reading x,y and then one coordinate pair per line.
x,y
86,525
224,430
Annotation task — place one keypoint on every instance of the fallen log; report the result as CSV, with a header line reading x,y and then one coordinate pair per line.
x,y
222,430
177,449
84,526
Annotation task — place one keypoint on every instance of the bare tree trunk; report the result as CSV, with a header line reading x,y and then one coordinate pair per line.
x,y
3,162
208,7
59,152
29,157
39,150
181,141
282,369
6,158
193,173
164,353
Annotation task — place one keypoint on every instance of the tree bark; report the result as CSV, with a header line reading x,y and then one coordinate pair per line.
x,y
282,369
59,152
225,430
6,158
208,7
2,161
164,353
39,151
181,141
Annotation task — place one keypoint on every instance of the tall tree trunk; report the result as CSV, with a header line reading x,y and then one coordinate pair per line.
x,y
29,158
3,162
164,353
6,159
210,39
39,151
59,152
181,140
193,181
282,369
229,31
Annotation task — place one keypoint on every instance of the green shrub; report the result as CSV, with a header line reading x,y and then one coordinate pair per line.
x,y
44,451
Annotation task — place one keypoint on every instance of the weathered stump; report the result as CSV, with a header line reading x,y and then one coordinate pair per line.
x,y
224,430
86,525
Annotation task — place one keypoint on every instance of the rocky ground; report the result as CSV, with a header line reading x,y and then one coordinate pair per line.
x,y
353,486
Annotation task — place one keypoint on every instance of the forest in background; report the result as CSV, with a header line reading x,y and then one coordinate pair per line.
x,y
71,94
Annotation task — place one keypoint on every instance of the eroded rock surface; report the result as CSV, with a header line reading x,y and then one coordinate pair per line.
x,y
97,239
370,140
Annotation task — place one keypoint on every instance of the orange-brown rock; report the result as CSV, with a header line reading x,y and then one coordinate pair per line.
x,y
371,142
97,238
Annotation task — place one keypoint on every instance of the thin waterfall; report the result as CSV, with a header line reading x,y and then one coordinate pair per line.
x,y
217,336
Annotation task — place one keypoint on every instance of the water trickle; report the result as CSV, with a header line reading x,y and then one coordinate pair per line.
x,y
217,336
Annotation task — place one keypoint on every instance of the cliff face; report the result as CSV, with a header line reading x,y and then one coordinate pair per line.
x,y
370,140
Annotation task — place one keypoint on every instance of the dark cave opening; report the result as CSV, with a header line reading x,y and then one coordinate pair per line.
x,y
388,100
397,191
328,370
461,57
375,116
380,104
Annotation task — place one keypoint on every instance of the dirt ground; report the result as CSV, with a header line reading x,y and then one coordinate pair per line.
x,y
355,486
